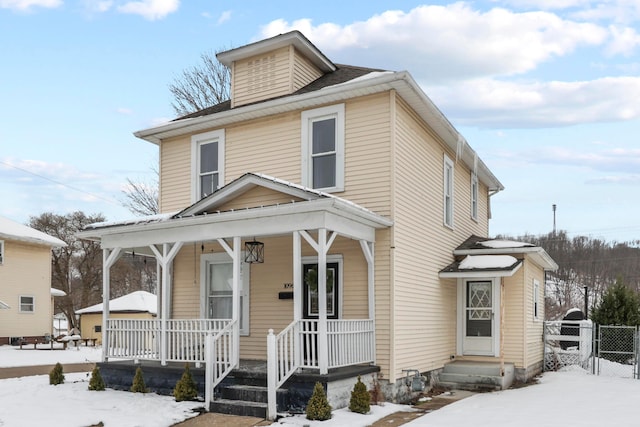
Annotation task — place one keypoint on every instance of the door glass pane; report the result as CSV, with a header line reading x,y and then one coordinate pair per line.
x,y
479,309
220,291
311,290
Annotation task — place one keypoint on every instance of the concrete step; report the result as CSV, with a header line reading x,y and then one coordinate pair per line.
x,y
239,407
254,394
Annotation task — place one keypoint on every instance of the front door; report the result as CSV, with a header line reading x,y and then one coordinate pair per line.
x,y
310,288
479,318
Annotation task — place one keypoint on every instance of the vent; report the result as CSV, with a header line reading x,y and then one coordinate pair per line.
x,y
262,73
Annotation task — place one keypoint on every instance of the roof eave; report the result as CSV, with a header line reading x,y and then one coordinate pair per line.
x,y
539,254
480,273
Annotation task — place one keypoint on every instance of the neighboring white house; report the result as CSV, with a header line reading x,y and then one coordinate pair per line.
x,y
25,281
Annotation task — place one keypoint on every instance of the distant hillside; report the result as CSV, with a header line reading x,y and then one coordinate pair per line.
x,y
584,261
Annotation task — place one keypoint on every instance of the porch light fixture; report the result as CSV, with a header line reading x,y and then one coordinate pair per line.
x,y
254,252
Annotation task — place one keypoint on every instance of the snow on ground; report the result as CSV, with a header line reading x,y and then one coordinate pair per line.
x,y
572,397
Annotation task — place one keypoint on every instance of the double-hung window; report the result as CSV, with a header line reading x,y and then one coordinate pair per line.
x,y
323,148
536,292
207,163
1,252
474,196
448,191
27,304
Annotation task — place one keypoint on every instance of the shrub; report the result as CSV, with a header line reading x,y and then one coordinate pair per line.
x,y
138,385
360,398
56,376
96,383
318,407
186,388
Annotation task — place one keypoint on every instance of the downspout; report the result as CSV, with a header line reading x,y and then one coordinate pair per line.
x,y
502,326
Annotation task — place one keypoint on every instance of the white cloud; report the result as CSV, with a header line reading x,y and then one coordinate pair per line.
x,y
25,5
493,103
624,41
224,17
150,9
97,6
124,110
616,180
445,43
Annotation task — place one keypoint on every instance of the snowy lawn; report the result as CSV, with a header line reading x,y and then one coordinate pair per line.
x,y
569,398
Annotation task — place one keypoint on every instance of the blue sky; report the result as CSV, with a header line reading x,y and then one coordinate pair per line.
x,y
546,91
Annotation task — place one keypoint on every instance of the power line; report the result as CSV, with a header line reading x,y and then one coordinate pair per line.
x,y
112,201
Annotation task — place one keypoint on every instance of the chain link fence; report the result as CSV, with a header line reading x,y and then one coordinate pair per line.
x,y
601,349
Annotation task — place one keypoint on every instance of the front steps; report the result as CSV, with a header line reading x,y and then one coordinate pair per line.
x,y
477,376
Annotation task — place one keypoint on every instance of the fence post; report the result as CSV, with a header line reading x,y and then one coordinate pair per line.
x,y
272,360
208,370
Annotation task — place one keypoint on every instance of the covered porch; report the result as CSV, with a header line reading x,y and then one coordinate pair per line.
x,y
317,338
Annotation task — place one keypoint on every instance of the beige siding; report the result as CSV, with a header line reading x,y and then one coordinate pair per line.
x,y
304,72
513,321
534,327
175,174
26,271
262,77
425,317
256,197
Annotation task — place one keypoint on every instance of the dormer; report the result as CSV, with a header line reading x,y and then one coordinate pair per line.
x,y
273,67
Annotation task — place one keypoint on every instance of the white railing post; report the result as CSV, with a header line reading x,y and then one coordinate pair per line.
x,y
272,361
208,370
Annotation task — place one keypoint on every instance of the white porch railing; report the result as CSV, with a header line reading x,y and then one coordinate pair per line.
x,y
139,339
220,356
350,342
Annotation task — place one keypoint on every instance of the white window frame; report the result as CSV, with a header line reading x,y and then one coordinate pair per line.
x,y
536,300
308,117
245,282
448,193
1,252
33,304
196,142
474,196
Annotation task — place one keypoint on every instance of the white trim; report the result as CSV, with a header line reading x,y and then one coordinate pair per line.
x,y
33,304
448,185
245,283
331,259
308,117
474,196
196,142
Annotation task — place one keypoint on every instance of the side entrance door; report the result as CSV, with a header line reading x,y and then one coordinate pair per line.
x,y
479,317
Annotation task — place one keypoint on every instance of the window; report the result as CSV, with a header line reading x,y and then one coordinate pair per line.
x,y
323,148
1,252
27,304
207,163
536,291
448,192
474,196
97,328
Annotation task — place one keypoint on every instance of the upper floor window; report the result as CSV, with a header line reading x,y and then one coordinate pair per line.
x,y
207,163
1,252
323,148
27,304
474,196
448,191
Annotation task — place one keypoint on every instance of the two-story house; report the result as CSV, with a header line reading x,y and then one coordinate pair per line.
x,y
322,224
25,282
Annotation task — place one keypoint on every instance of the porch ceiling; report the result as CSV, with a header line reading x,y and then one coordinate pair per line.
x,y
333,214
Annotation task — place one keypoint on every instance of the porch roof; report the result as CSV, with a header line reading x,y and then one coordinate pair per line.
x,y
482,266
200,221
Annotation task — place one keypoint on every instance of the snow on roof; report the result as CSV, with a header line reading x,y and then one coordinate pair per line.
x,y
368,76
499,244
139,301
58,292
15,231
132,221
487,261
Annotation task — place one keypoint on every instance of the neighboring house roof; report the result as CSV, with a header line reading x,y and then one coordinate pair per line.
x,y
344,83
58,292
135,302
4,306
15,231
484,257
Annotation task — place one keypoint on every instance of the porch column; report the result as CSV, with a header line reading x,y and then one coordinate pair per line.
x,y
165,260
109,257
235,254
323,341
297,293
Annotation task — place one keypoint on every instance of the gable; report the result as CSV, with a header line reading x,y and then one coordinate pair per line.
x,y
258,197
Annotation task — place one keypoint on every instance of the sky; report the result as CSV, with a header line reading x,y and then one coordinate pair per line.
x,y
546,91
564,398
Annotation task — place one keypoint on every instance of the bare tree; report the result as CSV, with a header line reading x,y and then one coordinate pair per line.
x,y
201,86
141,198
